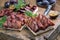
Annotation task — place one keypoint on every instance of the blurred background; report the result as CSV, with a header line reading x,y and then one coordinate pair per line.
x,y
33,2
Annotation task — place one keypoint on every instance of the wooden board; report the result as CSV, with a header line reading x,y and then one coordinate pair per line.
x,y
26,34
39,32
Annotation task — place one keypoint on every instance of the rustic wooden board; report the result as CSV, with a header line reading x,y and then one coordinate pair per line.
x,y
25,34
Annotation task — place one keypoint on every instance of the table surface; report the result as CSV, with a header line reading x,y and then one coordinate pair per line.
x,y
27,35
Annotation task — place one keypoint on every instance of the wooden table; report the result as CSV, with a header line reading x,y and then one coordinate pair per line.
x,y
27,35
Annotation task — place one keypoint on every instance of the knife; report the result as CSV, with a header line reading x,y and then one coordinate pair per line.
x,y
48,9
